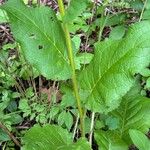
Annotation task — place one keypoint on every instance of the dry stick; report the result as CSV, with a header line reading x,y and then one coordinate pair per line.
x,y
142,11
72,63
91,128
10,134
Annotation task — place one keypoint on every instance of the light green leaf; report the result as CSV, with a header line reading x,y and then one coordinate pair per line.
x,y
110,74
75,9
109,141
77,41
51,137
3,16
133,113
41,38
146,14
117,32
148,4
112,123
61,118
147,83
83,58
139,139
68,120
25,1
145,72
68,98
23,105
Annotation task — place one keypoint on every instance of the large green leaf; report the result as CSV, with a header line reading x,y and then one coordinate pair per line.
x,y
133,113
140,140
75,9
51,137
41,38
111,73
109,141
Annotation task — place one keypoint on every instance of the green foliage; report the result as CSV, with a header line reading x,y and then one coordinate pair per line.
x,y
3,16
139,139
75,9
117,33
51,137
48,52
132,113
107,80
106,77
109,141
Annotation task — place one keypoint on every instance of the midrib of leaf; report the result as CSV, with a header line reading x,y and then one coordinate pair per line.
x,y
47,38
105,72
103,75
123,120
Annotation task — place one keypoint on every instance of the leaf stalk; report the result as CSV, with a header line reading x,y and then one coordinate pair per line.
x,y
72,63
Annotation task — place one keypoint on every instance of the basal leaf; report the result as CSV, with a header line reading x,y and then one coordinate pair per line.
x,y
75,9
133,113
111,72
41,38
51,137
109,141
140,140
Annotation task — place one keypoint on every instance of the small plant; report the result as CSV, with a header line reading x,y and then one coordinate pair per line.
x,y
100,92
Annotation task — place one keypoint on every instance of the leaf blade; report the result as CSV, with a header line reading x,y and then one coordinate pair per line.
x,y
139,139
75,8
43,48
51,137
110,75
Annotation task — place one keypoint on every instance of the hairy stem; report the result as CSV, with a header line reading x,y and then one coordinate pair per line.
x,y
72,63
10,134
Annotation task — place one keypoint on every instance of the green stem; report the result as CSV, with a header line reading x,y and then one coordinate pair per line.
x,y
141,16
102,26
72,63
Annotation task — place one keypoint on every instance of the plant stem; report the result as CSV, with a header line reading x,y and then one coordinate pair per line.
x,y
141,16
102,26
72,63
75,127
91,128
10,134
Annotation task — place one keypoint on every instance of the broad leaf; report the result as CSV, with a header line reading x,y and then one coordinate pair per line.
x,y
140,140
109,141
133,113
41,38
75,9
51,137
111,73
